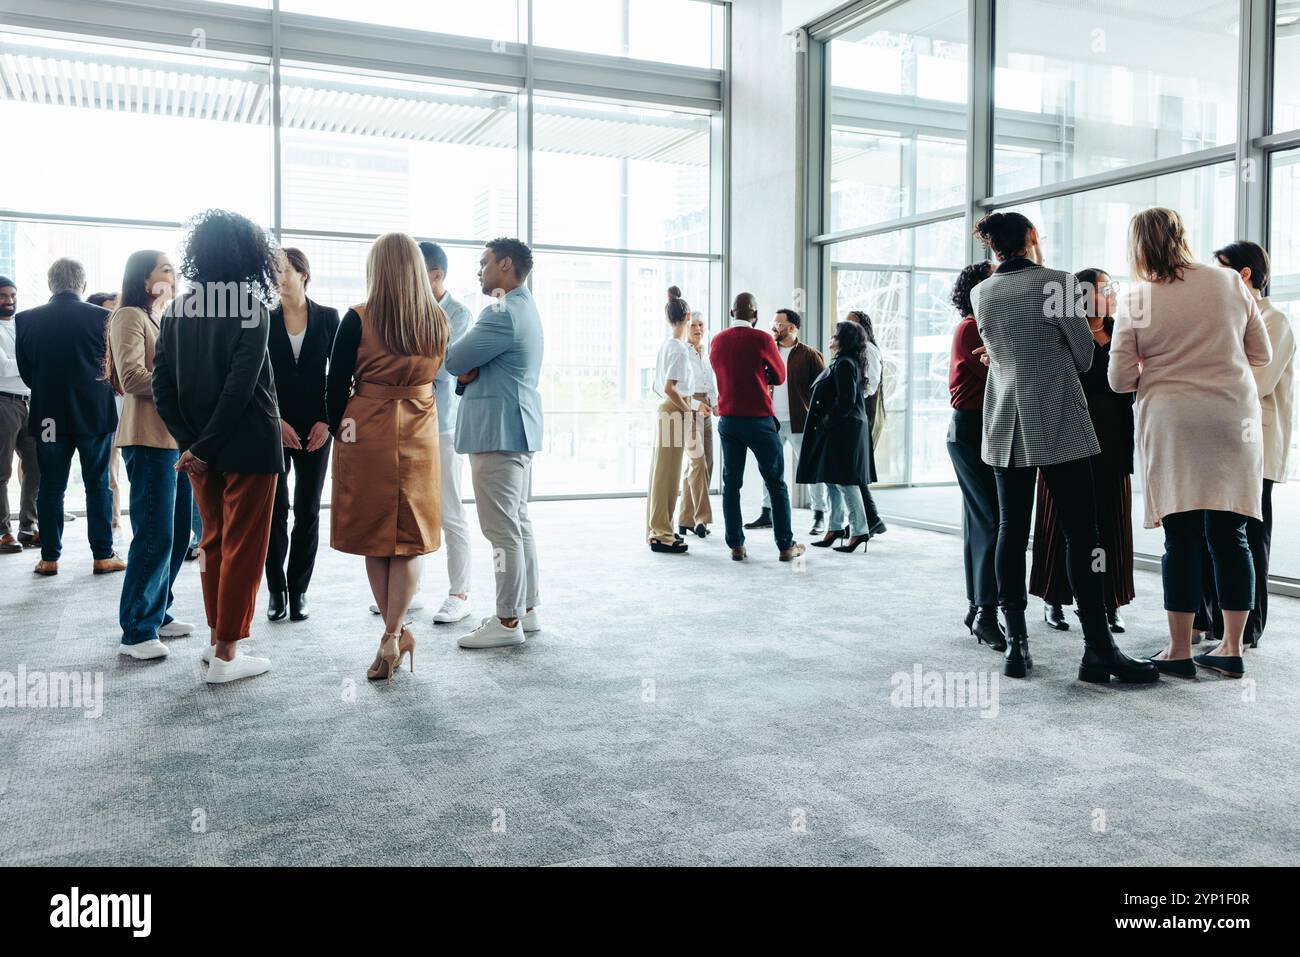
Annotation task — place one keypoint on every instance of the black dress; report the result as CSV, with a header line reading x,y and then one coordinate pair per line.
x,y
837,435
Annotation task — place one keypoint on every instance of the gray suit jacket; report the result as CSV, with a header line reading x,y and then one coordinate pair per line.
x,y
1033,323
501,410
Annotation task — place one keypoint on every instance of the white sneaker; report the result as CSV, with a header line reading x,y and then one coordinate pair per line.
x,y
453,610
492,634
530,622
144,650
243,666
209,651
175,629
410,619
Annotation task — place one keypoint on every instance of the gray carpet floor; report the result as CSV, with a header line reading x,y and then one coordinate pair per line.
x,y
672,711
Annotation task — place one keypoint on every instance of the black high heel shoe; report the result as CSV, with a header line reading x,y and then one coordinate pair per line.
x,y
1054,615
986,629
701,530
854,542
832,537
1018,661
971,612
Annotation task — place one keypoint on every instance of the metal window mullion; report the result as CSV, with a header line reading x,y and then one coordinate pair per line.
x,y
277,147
893,225
979,134
524,137
1254,109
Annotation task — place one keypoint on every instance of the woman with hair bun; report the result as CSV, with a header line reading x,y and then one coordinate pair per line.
x,y
675,383
1035,330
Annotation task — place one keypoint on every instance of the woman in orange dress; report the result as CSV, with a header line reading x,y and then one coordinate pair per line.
x,y
379,397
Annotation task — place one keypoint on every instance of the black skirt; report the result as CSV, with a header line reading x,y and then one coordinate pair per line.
x,y
1049,578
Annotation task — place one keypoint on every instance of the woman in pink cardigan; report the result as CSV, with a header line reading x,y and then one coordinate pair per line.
x,y
1185,340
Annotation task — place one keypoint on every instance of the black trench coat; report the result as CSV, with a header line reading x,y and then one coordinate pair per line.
x,y
837,436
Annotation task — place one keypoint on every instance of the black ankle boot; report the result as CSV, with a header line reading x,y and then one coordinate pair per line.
x,y
277,607
1103,658
971,612
298,607
986,629
1018,660
1054,615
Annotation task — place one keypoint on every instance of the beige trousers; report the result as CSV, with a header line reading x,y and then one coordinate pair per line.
x,y
696,508
665,471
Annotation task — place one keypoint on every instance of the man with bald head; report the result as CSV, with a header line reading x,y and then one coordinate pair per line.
x,y
745,363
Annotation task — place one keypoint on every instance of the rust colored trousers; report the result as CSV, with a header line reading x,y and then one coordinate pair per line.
x,y
236,510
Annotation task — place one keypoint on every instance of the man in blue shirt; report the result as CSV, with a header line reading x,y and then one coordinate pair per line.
x,y
497,365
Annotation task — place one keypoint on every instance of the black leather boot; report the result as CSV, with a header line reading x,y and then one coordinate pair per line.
x,y
1054,615
971,612
1018,660
298,607
986,629
764,520
277,608
1103,658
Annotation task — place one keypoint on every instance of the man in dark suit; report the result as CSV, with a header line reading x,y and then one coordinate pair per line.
x,y
60,348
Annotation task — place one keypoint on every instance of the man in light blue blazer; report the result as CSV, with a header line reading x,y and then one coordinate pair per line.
x,y
499,426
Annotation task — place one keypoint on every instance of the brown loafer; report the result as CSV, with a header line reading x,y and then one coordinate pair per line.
x,y
29,539
793,552
738,553
106,566
47,568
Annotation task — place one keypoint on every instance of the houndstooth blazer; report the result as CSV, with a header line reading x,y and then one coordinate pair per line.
x,y
1034,326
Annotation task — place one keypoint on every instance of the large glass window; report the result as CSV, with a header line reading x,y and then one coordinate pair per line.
x,y
1086,88
667,31
487,19
1286,66
898,115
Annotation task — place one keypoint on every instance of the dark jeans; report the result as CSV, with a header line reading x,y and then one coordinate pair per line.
x,y
1071,486
55,458
196,527
161,504
1183,566
301,547
980,516
762,436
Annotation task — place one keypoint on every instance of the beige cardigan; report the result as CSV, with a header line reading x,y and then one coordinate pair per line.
x,y
1276,383
131,336
1186,347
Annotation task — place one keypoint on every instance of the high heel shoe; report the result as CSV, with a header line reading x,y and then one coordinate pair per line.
x,y
832,537
386,661
405,646
984,626
854,542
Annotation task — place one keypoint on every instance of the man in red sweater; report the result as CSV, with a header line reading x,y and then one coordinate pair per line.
x,y
745,362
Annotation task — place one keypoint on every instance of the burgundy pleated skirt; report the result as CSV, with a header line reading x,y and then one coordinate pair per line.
x,y
1049,578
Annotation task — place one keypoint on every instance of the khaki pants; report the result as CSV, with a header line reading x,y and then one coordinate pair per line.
x,y
665,471
503,483
696,508
15,440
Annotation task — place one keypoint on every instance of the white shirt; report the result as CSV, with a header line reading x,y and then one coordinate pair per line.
x,y
295,342
674,363
10,380
873,370
781,393
702,376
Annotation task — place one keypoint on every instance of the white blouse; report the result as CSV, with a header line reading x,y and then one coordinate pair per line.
x,y
674,363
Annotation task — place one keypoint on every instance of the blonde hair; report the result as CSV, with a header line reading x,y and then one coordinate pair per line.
x,y
399,300
1157,245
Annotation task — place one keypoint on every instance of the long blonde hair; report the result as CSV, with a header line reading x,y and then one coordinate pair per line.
x,y
1157,245
399,300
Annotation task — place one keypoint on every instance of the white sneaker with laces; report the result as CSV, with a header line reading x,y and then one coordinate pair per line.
x,y
145,650
242,666
492,634
530,622
175,629
454,609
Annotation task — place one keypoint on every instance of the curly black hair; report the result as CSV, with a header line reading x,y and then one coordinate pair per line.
x,y
852,339
221,246
968,279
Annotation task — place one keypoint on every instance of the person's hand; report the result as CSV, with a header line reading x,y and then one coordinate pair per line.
x,y
288,437
705,409
189,462
319,434
465,378
982,353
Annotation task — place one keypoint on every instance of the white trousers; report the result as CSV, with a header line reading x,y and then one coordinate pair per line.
x,y
503,483
455,525
817,490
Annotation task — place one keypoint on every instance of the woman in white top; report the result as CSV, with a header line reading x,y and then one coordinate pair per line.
x,y
1185,339
673,381
696,512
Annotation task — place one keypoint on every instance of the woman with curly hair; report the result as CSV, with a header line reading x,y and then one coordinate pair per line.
x,y
214,390
979,488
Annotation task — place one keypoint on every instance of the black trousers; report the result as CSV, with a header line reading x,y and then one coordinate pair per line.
x,y
979,513
300,548
1259,538
1183,566
1071,486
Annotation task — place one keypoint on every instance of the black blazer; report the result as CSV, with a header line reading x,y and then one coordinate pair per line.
x,y
60,348
837,436
1111,412
213,386
300,386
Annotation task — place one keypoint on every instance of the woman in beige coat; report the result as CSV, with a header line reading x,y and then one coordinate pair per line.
x,y
160,496
1185,340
